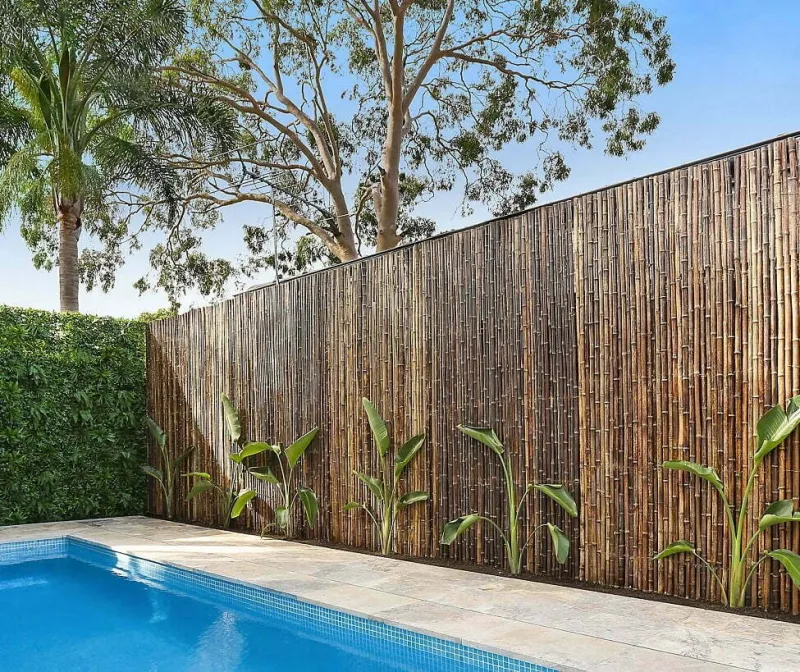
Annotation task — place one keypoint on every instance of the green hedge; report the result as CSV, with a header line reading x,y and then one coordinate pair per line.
x,y
72,416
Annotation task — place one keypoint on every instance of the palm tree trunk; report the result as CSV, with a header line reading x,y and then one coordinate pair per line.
x,y
68,277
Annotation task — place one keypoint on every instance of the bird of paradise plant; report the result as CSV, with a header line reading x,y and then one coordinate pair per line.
x,y
284,480
166,476
234,497
385,487
772,430
514,502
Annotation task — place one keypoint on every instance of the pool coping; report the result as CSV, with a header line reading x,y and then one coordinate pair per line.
x,y
551,626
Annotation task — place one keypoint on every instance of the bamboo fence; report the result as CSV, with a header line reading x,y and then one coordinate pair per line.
x,y
599,335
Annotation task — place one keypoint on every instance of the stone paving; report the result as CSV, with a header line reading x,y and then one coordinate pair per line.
x,y
563,628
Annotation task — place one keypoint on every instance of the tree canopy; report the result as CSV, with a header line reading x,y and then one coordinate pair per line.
x,y
83,121
350,114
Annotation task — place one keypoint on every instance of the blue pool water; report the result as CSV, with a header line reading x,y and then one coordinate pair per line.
x,y
67,605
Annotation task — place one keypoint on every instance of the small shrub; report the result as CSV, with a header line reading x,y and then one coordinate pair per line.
x,y
72,416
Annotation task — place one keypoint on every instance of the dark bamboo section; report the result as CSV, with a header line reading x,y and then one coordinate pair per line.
x,y
599,335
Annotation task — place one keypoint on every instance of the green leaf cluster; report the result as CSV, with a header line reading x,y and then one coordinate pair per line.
x,y
512,534
773,428
166,474
235,492
283,479
72,416
387,502
232,495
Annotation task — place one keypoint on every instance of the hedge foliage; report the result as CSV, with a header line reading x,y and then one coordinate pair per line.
x,y
72,416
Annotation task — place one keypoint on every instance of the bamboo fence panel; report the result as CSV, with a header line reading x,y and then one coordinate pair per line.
x,y
599,335
687,315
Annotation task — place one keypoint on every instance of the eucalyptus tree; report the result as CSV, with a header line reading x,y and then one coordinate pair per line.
x,y
83,120
353,112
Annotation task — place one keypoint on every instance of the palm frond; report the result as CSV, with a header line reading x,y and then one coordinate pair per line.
x,y
15,127
136,163
17,174
95,120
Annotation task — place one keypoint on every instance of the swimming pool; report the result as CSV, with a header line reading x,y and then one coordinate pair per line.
x,y
66,604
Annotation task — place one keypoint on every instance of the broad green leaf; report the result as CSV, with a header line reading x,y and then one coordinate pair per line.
x,y
675,548
158,434
406,453
282,517
560,543
485,435
412,498
199,488
182,457
706,473
264,474
295,450
374,485
455,528
790,562
231,418
779,512
310,504
352,505
64,70
254,448
775,426
560,495
244,496
198,474
152,471
378,427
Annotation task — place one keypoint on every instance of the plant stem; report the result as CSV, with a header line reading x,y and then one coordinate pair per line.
x,y
288,530
386,531
714,574
752,571
737,584
514,552
169,496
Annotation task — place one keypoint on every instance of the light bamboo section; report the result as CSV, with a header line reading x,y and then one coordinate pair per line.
x,y
598,335
687,322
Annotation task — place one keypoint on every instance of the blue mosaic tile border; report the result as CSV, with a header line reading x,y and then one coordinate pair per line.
x,y
13,552
345,630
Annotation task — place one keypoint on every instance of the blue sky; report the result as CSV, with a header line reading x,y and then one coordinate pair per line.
x,y
737,82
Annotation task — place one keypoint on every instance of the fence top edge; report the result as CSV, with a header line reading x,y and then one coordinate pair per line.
x,y
513,215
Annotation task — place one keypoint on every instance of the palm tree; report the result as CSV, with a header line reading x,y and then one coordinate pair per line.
x,y
83,116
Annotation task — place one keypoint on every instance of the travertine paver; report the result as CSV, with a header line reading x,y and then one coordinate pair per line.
x,y
564,628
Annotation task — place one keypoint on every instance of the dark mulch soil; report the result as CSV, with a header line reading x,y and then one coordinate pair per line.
x,y
571,583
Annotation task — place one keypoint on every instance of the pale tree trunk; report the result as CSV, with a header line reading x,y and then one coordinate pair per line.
x,y
387,204
346,247
387,196
69,218
386,192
